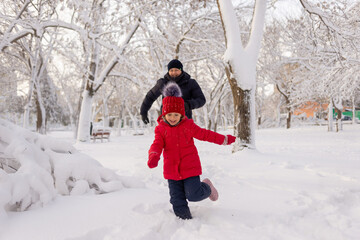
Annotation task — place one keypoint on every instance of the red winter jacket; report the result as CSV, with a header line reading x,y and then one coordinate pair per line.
x,y
181,158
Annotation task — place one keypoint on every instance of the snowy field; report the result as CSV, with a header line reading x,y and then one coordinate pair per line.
x,y
302,183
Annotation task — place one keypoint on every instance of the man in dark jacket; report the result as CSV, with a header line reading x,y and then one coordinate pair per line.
x,y
191,91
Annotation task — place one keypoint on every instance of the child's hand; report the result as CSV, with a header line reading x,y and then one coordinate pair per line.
x,y
153,159
230,139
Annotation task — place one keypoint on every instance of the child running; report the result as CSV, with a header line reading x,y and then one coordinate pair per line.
x,y
182,168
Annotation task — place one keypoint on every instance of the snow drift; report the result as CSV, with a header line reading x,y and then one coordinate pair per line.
x,y
35,168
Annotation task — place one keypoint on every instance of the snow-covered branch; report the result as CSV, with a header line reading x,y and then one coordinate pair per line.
x,y
111,64
15,37
325,19
46,167
257,28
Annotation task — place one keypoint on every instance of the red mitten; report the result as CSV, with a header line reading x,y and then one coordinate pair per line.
x,y
153,159
230,139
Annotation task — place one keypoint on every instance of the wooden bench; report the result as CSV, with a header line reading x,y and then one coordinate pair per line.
x,y
100,134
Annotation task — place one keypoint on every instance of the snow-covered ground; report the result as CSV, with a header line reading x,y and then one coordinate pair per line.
x,y
302,183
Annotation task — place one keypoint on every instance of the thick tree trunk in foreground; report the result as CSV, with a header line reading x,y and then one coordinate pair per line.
x,y
240,68
242,112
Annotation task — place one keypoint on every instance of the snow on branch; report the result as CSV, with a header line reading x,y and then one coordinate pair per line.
x,y
47,167
325,19
26,4
257,27
115,59
11,39
37,28
242,59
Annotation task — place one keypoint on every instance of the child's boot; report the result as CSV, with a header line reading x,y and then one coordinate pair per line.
x,y
183,213
214,193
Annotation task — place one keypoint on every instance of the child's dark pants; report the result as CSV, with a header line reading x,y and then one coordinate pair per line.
x,y
191,189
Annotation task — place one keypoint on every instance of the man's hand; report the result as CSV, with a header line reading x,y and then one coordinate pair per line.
x,y
145,119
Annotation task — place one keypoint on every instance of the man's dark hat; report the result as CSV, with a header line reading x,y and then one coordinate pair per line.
x,y
175,64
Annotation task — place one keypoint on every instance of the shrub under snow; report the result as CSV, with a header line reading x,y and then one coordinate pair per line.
x,y
46,167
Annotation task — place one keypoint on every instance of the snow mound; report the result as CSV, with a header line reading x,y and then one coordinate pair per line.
x,y
34,168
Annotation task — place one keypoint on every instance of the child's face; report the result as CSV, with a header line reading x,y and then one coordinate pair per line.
x,y
173,118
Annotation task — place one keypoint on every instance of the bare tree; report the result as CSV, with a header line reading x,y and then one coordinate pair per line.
x,y
241,68
30,41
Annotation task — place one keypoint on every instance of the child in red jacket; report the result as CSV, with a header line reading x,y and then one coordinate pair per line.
x,y
182,168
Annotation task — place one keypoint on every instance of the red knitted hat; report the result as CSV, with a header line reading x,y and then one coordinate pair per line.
x,y
172,101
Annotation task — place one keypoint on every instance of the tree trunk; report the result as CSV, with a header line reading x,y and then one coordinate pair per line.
x,y
278,113
289,114
330,116
40,108
78,111
38,117
121,118
86,105
41,116
106,118
85,117
338,120
27,107
243,60
206,116
288,119
217,116
209,124
259,121
353,109
243,109
288,109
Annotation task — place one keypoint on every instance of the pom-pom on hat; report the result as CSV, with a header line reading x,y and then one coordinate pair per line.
x,y
172,101
175,64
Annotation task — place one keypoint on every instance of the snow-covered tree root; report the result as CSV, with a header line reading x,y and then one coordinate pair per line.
x,y
46,167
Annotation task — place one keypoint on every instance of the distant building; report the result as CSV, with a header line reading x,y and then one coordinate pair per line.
x,y
313,110
320,110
